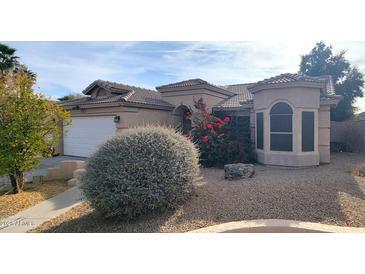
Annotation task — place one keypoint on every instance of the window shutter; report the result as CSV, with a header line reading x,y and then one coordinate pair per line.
x,y
307,131
260,130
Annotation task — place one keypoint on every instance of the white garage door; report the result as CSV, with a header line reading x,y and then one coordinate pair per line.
x,y
85,134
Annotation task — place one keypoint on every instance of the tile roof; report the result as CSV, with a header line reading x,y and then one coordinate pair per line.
x,y
296,77
242,92
186,83
120,93
193,83
242,95
113,87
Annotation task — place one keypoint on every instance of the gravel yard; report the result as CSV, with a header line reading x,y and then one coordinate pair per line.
x,y
32,194
327,194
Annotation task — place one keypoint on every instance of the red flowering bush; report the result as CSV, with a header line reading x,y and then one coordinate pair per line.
x,y
216,139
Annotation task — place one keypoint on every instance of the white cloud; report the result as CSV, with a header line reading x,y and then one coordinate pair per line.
x,y
233,62
69,67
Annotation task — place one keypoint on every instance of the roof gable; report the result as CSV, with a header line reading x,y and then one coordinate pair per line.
x,y
116,88
289,79
242,96
193,84
121,93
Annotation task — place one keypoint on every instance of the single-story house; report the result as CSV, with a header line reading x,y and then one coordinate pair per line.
x,y
289,114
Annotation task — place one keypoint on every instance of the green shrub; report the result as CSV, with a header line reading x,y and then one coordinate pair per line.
x,y
221,138
145,169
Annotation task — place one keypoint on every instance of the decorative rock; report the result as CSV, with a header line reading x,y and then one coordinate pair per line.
x,y
73,182
65,170
238,171
67,167
78,173
55,173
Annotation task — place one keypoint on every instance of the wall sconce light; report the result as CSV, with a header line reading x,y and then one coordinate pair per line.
x,y
116,119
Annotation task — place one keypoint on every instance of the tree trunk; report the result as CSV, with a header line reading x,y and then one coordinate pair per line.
x,y
17,180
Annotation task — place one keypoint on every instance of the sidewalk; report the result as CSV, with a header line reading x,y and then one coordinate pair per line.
x,y
44,211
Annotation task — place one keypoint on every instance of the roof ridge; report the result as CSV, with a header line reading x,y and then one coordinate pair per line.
x,y
129,95
242,84
126,85
73,100
199,80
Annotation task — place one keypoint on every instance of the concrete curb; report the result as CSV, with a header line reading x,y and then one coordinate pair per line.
x,y
276,226
44,211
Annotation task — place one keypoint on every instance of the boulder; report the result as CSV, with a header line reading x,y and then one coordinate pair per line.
x,y
54,173
73,182
67,167
78,173
238,171
65,170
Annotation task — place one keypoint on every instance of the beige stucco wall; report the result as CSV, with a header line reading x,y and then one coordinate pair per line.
x,y
187,97
324,124
132,117
300,99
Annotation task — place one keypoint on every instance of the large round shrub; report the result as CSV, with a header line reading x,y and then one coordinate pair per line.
x,y
143,170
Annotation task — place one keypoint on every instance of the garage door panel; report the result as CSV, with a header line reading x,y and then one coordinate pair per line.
x,y
85,134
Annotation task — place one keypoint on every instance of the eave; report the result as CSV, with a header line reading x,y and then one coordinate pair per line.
x,y
195,87
296,84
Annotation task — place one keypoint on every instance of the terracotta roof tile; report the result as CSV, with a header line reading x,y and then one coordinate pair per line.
x,y
120,93
295,77
186,83
243,95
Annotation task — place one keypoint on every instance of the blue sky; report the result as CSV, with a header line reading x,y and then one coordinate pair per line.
x,y
68,67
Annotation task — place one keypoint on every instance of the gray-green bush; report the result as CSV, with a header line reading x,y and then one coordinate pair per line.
x,y
143,170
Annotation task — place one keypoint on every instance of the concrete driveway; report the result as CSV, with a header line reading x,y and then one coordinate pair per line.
x,y
45,163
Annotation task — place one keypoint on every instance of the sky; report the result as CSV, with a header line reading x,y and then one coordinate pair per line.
x,y
69,67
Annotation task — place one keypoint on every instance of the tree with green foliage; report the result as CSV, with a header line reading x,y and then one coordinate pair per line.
x,y
29,126
348,79
8,60
70,96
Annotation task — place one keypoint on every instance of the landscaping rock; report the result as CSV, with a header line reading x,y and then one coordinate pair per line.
x,y
78,173
238,171
359,170
73,182
67,167
65,170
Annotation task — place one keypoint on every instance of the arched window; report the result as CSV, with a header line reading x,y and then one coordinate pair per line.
x,y
281,127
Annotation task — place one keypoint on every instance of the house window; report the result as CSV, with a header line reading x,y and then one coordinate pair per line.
x,y
281,127
260,130
307,131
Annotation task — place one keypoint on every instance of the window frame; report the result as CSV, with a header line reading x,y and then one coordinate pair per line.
x,y
261,113
308,145
287,110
